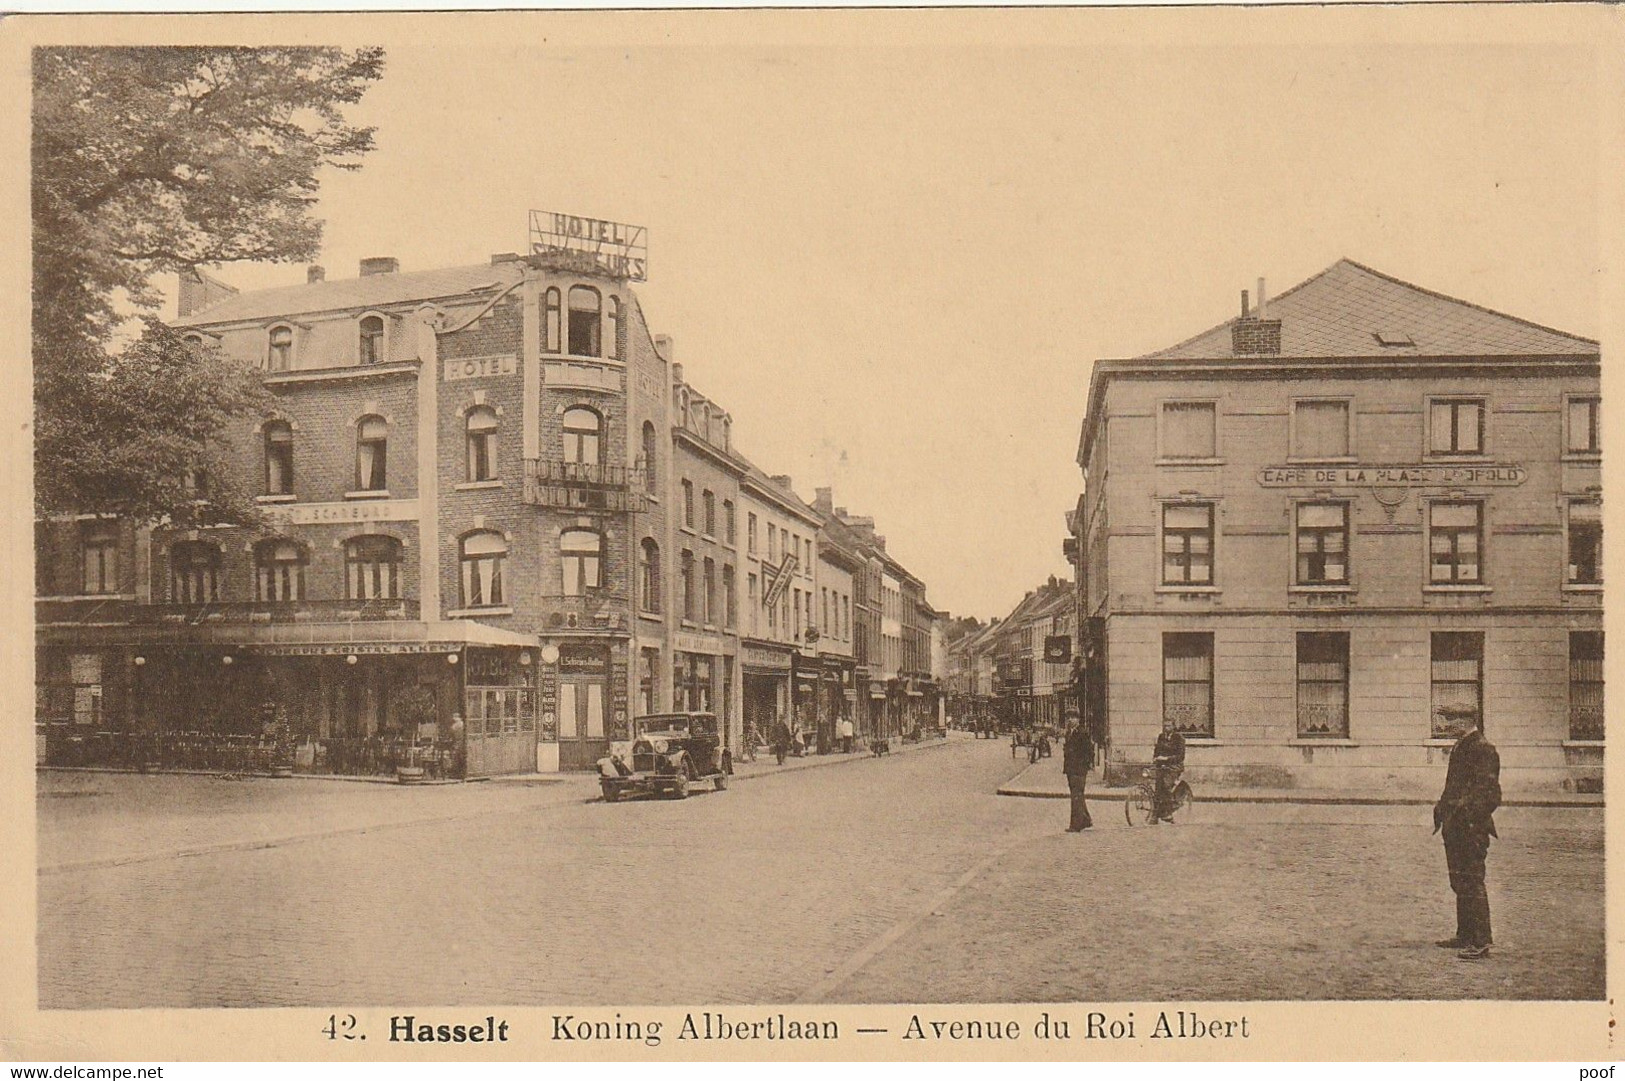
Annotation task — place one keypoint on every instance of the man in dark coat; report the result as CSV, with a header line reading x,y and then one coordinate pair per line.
x,y
1077,756
781,739
1465,812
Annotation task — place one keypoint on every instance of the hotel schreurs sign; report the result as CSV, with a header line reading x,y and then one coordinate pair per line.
x,y
360,510
1392,476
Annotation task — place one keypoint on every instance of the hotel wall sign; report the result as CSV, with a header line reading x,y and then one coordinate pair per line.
x,y
457,368
1392,476
360,510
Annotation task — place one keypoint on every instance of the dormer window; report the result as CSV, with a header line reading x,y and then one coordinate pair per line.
x,y
279,349
586,321
1394,339
372,339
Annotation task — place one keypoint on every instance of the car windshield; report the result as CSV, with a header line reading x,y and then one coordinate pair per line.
x,y
697,724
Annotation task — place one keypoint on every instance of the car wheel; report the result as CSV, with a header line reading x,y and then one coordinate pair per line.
x,y
611,792
681,789
722,782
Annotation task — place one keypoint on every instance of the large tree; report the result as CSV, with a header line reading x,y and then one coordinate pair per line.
x,y
147,160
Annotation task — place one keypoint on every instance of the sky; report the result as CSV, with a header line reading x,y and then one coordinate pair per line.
x,y
893,245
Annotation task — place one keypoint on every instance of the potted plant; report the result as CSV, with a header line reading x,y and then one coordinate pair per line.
x,y
417,708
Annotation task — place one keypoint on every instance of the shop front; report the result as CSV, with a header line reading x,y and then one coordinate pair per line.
x,y
584,702
766,670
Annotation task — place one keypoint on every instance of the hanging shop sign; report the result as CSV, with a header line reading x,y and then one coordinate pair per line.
x,y
775,588
1058,648
1392,476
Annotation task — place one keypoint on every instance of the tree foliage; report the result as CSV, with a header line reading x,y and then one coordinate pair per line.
x,y
148,160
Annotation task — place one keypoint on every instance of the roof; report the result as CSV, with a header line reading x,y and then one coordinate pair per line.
x,y
368,291
1341,311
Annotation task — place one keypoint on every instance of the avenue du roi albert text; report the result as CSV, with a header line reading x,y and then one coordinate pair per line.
x,y
1092,1025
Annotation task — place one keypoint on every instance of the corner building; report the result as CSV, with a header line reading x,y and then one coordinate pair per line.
x,y
1314,533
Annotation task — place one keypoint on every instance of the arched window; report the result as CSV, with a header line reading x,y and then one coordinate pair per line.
x,y
482,443
615,328
372,454
651,475
649,576
279,349
582,554
194,572
581,438
551,336
482,558
372,339
586,321
372,568
279,571
278,458
194,340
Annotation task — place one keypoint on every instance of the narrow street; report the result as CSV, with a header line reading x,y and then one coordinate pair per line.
x,y
876,880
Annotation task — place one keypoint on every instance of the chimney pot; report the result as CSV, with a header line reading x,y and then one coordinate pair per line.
x,y
1261,314
1244,303
315,274
676,373
380,264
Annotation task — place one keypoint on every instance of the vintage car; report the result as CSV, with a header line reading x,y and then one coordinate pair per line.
x,y
667,753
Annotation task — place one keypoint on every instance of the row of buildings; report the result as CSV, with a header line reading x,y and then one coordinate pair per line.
x,y
1016,670
501,524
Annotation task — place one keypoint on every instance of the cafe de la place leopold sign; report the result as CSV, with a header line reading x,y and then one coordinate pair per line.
x,y
1392,476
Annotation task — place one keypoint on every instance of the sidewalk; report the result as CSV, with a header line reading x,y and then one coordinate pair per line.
x,y
766,766
1044,780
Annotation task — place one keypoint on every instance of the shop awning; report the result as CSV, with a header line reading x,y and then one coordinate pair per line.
x,y
294,637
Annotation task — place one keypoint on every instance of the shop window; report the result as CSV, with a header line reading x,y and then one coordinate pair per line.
x,y
279,571
709,502
1187,544
730,609
1187,682
372,455
1323,543
586,318
582,553
1320,429
1189,430
581,434
688,503
482,556
1585,425
551,336
372,568
1323,684
692,682
194,572
729,532
1456,426
481,426
1585,685
710,591
1585,542
1455,543
98,548
651,472
649,576
278,458
686,583
279,349
1458,680
372,340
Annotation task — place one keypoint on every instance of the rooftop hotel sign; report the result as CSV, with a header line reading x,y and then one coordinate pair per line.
x,y
1392,476
617,248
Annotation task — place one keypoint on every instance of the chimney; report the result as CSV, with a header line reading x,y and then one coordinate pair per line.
x,y
676,373
199,291
1261,313
1253,335
501,257
1244,303
824,500
666,347
840,512
314,274
782,480
380,264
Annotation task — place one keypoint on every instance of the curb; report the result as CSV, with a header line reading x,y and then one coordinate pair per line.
x,y
1307,798
830,760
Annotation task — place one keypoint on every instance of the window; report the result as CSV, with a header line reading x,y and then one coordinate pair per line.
x,y
1585,542
1585,426
772,543
1458,673
586,309
278,458
1323,684
194,573
795,608
372,339
648,679
651,474
1187,544
582,552
98,545
1187,682
581,436
482,557
1320,429
372,568
279,349
614,328
1585,685
729,532
279,571
710,610
649,576
1456,426
1323,544
688,503
751,603
371,454
482,443
823,610
750,533
710,502
551,336
1188,430
1455,534
686,576
730,606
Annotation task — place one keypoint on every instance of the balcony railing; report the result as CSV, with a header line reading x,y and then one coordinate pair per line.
x,y
582,486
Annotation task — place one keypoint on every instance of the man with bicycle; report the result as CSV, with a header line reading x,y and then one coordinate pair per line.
x,y
1167,762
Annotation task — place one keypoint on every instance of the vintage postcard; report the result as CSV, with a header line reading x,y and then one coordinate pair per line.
x,y
1059,533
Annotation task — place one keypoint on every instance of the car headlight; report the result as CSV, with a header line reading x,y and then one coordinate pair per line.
x,y
659,746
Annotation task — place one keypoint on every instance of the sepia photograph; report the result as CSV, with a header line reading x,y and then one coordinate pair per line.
x,y
762,532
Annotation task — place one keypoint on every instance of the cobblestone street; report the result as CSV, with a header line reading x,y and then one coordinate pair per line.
x,y
874,880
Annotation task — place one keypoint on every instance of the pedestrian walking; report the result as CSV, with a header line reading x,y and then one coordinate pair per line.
x,y
1465,813
1077,756
847,732
781,740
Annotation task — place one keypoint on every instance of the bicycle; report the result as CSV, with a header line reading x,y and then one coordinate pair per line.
x,y
1140,807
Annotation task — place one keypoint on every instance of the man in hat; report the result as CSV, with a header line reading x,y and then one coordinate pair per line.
x,y
1077,756
1465,812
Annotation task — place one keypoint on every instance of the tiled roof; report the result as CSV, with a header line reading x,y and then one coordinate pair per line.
x,y
1341,311
369,291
